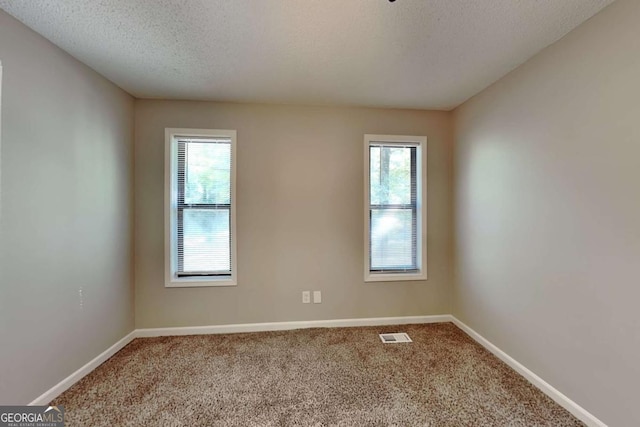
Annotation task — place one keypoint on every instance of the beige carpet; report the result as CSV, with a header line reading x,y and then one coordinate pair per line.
x,y
309,377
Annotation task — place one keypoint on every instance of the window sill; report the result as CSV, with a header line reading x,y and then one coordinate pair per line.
x,y
394,277
198,282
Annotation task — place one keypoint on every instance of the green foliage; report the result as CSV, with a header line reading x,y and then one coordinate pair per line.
x,y
390,175
207,173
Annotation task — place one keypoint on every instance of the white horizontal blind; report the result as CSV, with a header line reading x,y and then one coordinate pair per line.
x,y
393,208
204,207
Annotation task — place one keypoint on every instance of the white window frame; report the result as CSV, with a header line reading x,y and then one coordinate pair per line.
x,y
421,190
171,207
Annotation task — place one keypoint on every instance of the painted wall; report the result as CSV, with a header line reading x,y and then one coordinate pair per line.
x,y
548,214
300,215
65,214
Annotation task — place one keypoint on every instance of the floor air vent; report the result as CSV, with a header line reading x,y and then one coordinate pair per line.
x,y
395,338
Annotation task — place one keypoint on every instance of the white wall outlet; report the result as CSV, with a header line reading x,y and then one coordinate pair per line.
x,y
317,297
306,297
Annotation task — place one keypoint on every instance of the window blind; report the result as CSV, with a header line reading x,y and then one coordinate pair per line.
x,y
393,208
204,207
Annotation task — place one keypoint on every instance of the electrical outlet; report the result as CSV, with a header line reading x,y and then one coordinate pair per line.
x,y
317,297
306,297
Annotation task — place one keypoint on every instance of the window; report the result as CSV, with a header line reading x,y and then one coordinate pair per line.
x,y
395,213
200,238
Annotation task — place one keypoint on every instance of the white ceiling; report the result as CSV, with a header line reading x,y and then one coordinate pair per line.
x,y
431,54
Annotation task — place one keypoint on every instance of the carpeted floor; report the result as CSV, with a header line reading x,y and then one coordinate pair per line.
x,y
309,377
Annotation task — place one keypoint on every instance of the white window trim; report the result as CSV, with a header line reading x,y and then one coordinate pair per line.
x,y
170,213
421,178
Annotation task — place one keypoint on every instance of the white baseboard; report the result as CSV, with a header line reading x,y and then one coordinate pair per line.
x,y
575,409
283,326
66,383
578,411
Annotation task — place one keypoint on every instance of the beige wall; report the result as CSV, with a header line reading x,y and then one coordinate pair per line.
x,y
66,216
548,214
300,215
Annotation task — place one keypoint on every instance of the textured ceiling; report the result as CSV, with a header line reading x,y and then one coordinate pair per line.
x,y
431,54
